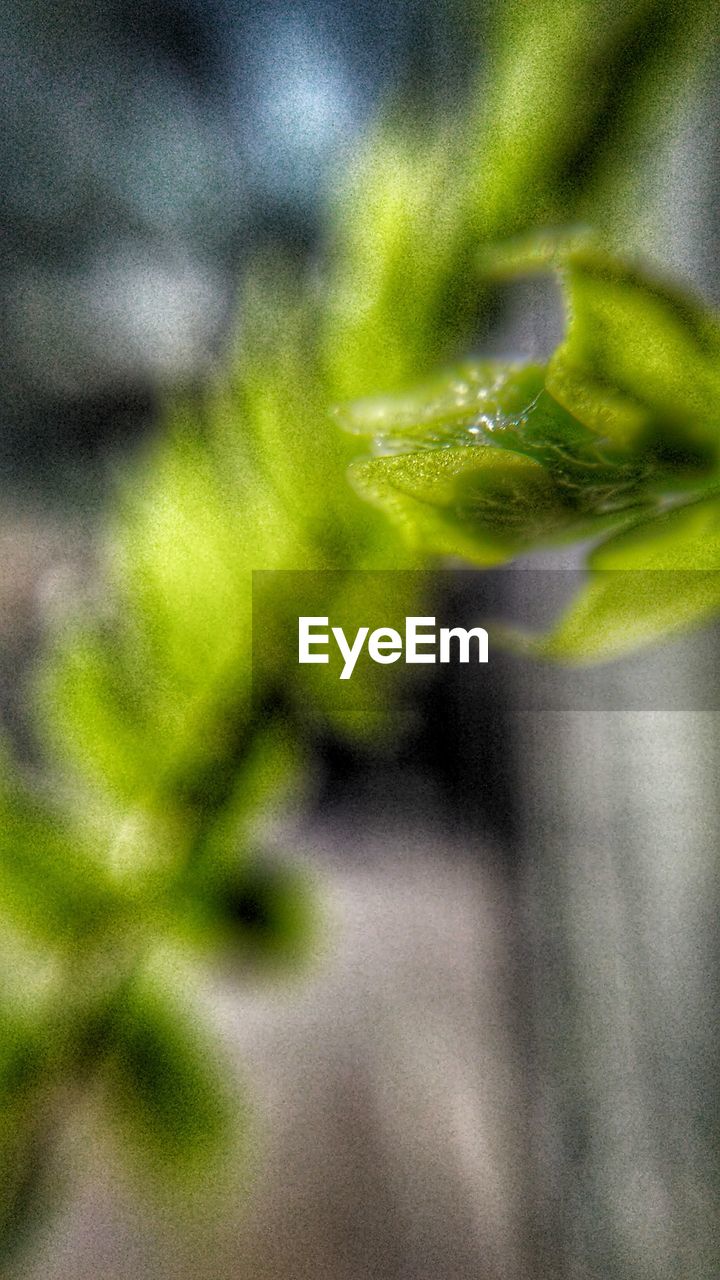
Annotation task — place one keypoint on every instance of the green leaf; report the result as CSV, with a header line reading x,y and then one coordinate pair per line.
x,y
655,580
640,364
625,414
484,505
474,401
483,463
53,881
166,1087
640,361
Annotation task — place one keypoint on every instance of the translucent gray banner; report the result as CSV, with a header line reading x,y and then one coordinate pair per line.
x,y
368,642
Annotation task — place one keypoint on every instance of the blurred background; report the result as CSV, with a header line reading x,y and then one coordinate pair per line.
x,y
505,1062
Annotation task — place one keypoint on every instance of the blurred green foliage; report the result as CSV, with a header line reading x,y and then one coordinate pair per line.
x,y
163,749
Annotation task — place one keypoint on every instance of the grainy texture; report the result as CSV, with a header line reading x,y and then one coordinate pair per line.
x,y
386,1097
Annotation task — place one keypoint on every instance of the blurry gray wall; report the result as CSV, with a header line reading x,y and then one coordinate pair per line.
x,y
621,893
